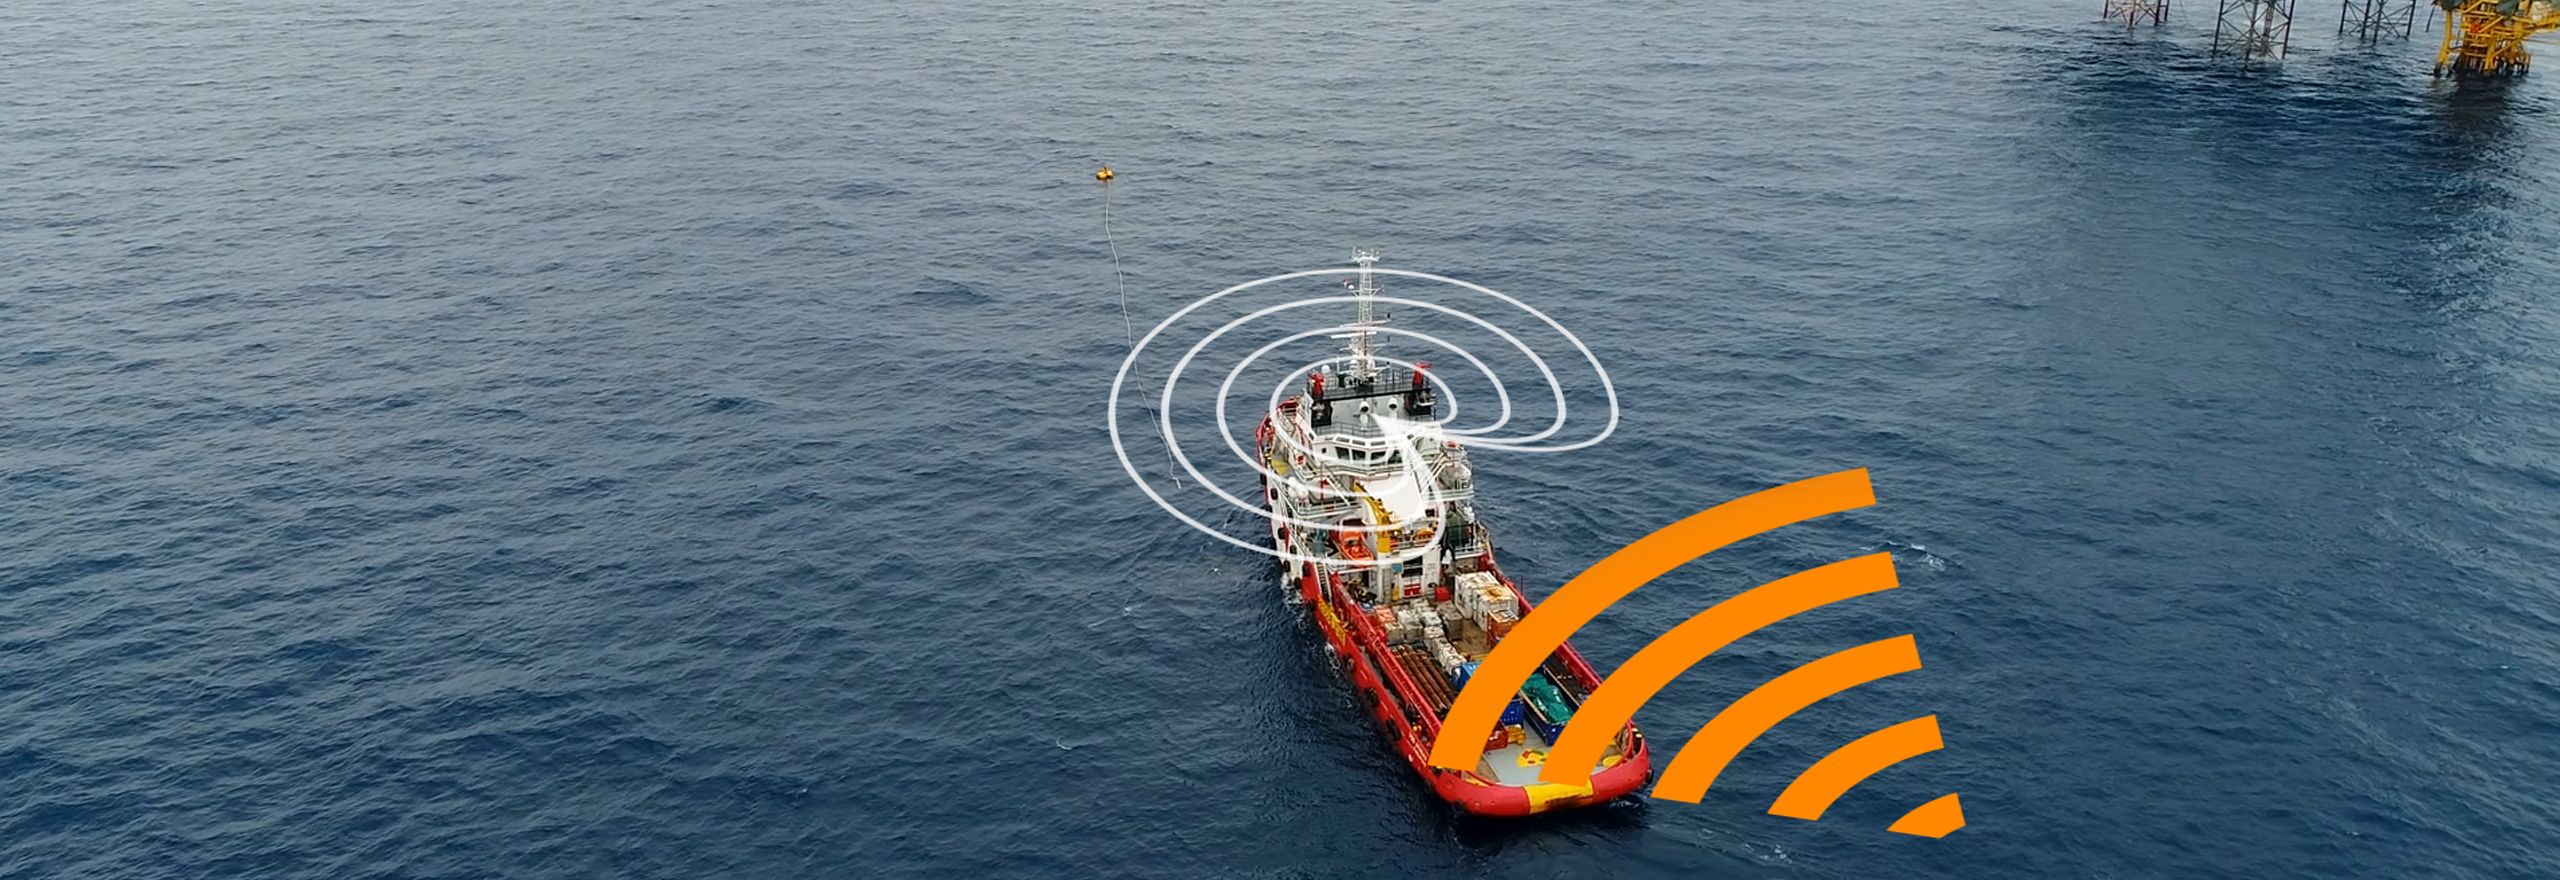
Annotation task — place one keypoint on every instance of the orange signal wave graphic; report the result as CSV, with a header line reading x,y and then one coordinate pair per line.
x,y
1833,776
1479,706
1615,702
1932,819
1698,763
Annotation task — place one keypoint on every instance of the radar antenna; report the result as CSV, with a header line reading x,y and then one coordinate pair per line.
x,y
1364,368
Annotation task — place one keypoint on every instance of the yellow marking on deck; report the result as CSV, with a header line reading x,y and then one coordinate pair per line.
x,y
1543,793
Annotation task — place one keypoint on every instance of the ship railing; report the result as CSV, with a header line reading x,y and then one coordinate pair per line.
x,y
1355,427
1387,382
1425,724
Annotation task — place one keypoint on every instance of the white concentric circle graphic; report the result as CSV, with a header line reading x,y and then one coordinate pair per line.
x,y
1480,437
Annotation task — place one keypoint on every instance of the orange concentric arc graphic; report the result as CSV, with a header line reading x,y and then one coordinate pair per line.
x,y
1471,719
1615,702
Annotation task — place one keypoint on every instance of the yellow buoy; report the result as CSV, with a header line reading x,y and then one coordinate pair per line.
x,y
1103,175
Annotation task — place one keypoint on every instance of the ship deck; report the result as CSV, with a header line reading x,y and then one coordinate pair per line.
x,y
1503,765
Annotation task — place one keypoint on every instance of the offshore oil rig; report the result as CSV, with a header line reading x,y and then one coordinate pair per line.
x,y
2483,39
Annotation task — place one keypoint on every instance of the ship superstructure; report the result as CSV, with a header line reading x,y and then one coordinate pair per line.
x,y
1372,510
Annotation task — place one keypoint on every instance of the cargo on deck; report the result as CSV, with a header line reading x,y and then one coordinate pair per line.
x,y
1372,511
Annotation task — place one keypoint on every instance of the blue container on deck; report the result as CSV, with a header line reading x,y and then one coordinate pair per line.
x,y
1547,730
1548,708
1512,711
1458,678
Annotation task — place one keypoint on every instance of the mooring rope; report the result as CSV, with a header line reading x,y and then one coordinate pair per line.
x,y
1128,327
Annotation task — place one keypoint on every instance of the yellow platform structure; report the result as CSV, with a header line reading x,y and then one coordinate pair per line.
x,y
2485,38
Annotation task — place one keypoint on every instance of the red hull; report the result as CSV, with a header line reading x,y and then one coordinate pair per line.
x,y
1395,702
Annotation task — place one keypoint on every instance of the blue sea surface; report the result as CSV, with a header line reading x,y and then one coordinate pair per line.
x,y
666,439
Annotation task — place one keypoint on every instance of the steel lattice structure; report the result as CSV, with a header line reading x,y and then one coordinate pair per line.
x,y
2256,30
2134,11
2372,20
2482,38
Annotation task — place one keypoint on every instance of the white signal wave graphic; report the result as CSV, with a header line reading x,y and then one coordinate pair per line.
x,y
1399,430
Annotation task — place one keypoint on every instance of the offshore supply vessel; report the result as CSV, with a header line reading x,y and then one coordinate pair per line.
x,y
1371,510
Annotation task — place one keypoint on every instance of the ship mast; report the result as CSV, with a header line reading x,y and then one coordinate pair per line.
x,y
1364,369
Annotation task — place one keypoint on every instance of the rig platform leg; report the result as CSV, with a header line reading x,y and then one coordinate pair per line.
x,y
2255,30
2135,12
2484,39
2371,20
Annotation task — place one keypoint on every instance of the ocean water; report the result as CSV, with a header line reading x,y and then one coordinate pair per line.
x,y
667,439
